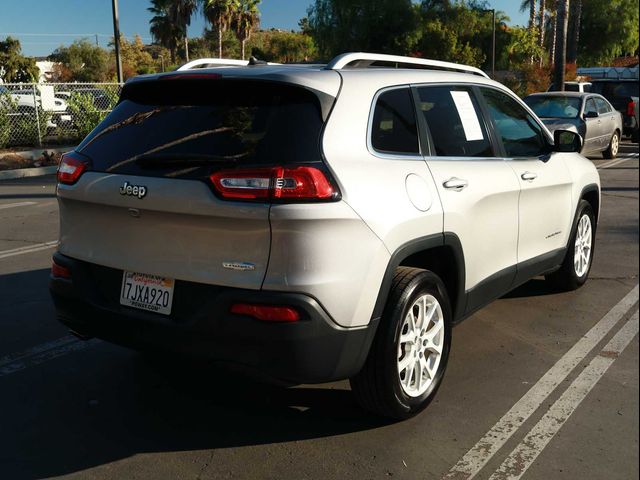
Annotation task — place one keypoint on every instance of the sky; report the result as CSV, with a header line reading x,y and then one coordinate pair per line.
x,y
43,25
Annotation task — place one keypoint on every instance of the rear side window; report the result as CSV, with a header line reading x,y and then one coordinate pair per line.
x,y
603,106
590,106
521,135
394,128
454,121
187,128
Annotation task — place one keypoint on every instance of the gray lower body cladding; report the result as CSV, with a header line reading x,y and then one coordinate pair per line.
x,y
312,350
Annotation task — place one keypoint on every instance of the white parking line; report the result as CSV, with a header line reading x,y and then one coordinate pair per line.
x,y
477,457
42,353
523,456
612,163
28,249
14,205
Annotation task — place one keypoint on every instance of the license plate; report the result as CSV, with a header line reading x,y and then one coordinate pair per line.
x,y
147,292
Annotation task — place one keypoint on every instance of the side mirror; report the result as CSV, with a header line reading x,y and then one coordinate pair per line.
x,y
591,114
567,141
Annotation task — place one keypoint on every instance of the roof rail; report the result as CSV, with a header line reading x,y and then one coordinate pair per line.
x,y
362,59
221,62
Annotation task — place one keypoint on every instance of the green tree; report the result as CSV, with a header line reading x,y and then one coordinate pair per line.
x,y
282,47
459,31
608,29
136,60
16,67
246,20
84,61
385,26
220,14
522,46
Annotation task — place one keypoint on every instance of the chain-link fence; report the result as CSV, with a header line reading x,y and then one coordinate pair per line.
x,y
33,115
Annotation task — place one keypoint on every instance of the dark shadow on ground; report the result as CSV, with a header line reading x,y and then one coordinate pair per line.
x,y
619,189
105,403
533,288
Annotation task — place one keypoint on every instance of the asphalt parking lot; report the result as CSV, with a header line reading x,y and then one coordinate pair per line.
x,y
540,385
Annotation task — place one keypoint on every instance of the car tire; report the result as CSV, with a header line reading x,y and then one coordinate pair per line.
x,y
577,263
614,146
383,386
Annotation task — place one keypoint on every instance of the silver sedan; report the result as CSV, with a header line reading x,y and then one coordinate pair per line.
x,y
588,114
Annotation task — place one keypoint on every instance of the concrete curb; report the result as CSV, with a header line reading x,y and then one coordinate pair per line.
x,y
37,152
37,171
27,172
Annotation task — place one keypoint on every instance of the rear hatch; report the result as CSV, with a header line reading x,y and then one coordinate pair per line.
x,y
620,93
147,202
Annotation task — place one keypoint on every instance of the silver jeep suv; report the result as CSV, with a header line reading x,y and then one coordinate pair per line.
x,y
317,222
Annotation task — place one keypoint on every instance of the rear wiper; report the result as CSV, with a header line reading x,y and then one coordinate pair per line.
x,y
162,160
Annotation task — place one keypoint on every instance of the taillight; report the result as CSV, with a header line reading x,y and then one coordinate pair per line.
x,y
70,168
274,183
266,313
58,271
631,108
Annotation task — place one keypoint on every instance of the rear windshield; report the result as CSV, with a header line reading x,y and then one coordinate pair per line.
x,y
616,89
554,106
189,128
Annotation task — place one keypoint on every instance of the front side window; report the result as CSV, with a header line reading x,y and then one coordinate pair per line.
x,y
394,128
454,121
521,135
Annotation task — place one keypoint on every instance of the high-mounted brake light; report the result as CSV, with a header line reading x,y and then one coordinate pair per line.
x,y
70,169
266,313
631,108
276,183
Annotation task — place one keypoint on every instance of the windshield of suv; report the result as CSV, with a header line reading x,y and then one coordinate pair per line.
x,y
617,89
554,106
187,127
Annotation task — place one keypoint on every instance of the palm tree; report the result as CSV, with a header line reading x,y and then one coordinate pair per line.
x,y
530,5
561,48
220,13
543,10
181,13
574,40
552,25
163,30
246,20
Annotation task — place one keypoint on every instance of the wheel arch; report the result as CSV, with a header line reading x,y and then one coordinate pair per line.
x,y
591,194
439,253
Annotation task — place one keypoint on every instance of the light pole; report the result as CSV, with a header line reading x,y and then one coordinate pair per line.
x,y
116,39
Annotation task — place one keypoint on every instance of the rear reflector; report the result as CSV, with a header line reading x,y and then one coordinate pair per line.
x,y
282,183
58,271
631,108
266,313
70,169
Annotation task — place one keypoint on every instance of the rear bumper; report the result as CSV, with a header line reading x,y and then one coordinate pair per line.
x,y
312,350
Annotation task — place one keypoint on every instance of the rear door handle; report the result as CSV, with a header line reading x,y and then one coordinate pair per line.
x,y
529,176
454,183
